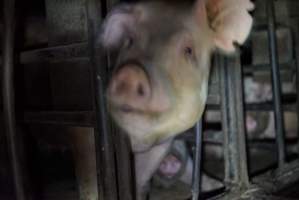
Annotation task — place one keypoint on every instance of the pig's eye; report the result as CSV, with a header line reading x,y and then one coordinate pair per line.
x,y
188,51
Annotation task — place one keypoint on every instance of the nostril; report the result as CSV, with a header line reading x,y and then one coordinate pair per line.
x,y
130,86
140,90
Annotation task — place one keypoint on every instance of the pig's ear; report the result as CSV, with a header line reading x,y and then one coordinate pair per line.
x,y
230,22
118,25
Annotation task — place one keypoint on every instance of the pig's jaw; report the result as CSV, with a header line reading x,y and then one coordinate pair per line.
x,y
186,113
147,130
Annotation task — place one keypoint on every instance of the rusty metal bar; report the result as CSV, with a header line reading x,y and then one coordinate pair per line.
x,y
8,95
276,87
196,176
232,106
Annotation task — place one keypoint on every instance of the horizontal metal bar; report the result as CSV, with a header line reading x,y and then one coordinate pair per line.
x,y
264,27
267,143
69,118
56,53
268,106
63,52
266,67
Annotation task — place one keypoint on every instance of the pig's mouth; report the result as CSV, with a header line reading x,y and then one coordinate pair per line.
x,y
127,109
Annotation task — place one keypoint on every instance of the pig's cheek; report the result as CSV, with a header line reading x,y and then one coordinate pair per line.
x,y
161,102
162,97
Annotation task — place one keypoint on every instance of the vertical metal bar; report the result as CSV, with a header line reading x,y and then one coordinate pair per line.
x,y
8,94
125,163
276,87
103,137
124,157
296,43
106,151
297,76
196,176
232,105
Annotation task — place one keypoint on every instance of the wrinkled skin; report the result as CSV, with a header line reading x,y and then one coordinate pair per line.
x,y
159,85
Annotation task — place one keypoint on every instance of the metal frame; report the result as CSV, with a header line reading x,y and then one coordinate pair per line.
x,y
8,96
276,84
114,177
235,155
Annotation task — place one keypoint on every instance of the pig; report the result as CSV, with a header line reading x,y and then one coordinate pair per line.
x,y
159,84
173,178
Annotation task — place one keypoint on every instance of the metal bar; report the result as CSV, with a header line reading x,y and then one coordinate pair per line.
x,y
8,95
67,118
104,148
57,53
236,170
125,164
60,52
196,176
296,41
265,67
268,106
276,87
123,160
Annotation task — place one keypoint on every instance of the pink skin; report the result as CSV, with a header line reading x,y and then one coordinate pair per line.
x,y
130,88
170,166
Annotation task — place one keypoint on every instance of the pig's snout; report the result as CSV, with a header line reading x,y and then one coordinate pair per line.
x,y
130,88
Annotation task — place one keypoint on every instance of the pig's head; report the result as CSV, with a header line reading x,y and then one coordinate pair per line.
x,y
160,83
